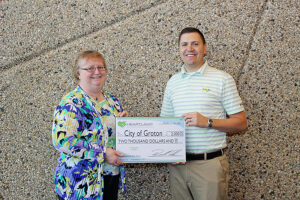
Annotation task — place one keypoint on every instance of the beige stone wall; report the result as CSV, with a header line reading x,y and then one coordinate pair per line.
x,y
255,41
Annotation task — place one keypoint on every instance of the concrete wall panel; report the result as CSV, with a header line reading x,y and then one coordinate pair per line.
x,y
269,85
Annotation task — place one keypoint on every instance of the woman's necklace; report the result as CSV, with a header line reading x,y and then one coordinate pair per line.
x,y
97,98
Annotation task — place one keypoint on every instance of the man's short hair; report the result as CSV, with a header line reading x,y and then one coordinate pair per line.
x,y
191,30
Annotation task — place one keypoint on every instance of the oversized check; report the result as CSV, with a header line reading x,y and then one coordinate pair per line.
x,y
150,139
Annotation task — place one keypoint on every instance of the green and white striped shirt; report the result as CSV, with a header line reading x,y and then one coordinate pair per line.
x,y
210,92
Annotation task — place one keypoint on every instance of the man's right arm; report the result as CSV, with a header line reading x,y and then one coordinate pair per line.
x,y
167,106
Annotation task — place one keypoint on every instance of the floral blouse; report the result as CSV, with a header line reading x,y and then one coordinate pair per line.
x,y
108,116
81,137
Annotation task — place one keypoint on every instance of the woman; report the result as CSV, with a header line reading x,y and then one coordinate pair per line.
x,y
84,134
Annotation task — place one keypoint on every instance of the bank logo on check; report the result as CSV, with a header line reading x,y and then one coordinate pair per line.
x,y
121,124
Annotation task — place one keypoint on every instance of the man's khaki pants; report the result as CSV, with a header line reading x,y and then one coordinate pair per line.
x,y
200,179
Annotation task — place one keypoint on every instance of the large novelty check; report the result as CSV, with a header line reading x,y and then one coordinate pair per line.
x,y
150,139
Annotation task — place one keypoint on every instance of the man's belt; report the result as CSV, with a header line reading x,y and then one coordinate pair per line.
x,y
205,156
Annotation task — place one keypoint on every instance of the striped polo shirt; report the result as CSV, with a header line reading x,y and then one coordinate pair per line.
x,y
210,92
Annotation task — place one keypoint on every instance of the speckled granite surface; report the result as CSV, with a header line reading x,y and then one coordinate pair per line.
x,y
31,28
270,89
255,41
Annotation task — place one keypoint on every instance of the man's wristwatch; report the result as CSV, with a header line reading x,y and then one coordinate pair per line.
x,y
210,123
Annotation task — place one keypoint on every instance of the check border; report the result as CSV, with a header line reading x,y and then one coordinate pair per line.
x,y
167,140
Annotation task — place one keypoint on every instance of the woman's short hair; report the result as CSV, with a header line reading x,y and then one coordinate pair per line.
x,y
83,56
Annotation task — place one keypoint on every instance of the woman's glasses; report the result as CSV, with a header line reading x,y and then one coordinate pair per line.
x,y
93,68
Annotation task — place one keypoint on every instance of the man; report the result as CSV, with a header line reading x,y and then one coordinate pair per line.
x,y
208,100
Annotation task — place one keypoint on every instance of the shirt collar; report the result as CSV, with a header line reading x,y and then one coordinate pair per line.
x,y
200,71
